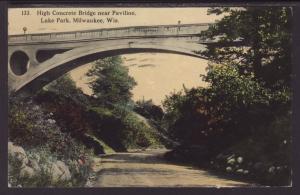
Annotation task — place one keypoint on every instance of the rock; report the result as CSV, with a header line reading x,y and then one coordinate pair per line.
x,y
55,173
89,184
10,144
246,172
279,168
27,172
271,169
231,161
36,157
35,107
60,172
240,171
240,159
35,165
231,157
18,153
51,121
284,142
229,169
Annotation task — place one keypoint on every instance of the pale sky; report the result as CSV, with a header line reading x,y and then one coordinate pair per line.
x,y
157,75
143,16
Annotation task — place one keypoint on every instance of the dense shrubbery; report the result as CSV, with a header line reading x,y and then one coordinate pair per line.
x,y
41,178
233,110
149,110
44,169
137,132
115,124
233,105
30,127
121,128
245,111
44,142
59,123
264,157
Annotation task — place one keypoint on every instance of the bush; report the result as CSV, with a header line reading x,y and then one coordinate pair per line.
x,y
41,178
233,106
266,156
38,133
235,113
30,127
120,128
137,133
149,110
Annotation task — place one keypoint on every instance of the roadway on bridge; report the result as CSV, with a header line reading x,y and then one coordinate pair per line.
x,y
149,169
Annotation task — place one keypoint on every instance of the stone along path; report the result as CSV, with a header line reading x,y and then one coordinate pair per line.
x,y
149,169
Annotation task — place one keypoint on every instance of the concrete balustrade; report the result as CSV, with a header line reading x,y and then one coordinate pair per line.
x,y
107,33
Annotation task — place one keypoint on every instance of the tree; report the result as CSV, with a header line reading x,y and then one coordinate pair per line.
x,y
111,82
245,109
265,34
243,93
257,72
63,85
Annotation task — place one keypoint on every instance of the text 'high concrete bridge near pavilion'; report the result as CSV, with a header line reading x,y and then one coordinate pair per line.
x,y
37,59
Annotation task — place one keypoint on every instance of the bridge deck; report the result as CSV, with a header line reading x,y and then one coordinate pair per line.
x,y
107,33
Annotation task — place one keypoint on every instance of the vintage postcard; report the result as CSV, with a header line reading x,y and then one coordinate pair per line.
x,y
149,96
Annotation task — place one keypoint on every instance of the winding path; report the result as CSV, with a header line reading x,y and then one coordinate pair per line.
x,y
149,169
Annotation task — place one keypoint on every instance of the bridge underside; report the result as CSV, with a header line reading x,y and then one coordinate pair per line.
x,y
42,63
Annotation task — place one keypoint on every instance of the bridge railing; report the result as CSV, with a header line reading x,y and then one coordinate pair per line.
x,y
107,33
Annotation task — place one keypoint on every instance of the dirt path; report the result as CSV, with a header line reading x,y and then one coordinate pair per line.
x,y
148,169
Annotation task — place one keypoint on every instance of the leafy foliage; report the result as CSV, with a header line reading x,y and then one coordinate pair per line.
x,y
246,107
112,122
265,34
39,134
111,82
30,128
149,110
121,128
62,85
66,87
227,102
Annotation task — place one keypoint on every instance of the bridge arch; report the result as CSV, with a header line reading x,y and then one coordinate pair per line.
x,y
62,63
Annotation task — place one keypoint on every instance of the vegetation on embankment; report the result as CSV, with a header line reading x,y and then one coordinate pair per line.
x,y
240,123
60,128
40,152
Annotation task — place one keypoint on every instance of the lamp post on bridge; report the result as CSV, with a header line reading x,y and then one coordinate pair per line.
x,y
178,26
24,29
27,37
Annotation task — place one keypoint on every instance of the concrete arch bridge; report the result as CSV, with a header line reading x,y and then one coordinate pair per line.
x,y
34,60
